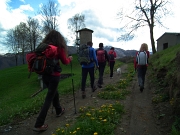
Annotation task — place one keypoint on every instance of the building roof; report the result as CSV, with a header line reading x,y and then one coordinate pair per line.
x,y
168,33
85,29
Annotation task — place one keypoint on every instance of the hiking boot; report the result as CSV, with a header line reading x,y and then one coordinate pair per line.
x,y
100,86
83,94
61,113
94,88
41,128
141,88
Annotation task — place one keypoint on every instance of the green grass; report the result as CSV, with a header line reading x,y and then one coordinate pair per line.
x,y
94,121
164,58
164,75
16,90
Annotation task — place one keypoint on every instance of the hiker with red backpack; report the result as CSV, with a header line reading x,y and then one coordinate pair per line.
x,y
141,63
102,57
112,55
54,38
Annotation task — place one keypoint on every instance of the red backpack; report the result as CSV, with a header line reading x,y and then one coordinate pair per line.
x,y
101,56
42,60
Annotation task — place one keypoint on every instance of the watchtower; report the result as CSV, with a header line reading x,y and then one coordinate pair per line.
x,y
85,35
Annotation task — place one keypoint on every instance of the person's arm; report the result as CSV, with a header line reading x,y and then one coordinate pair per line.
x,y
94,57
148,54
106,56
115,55
63,57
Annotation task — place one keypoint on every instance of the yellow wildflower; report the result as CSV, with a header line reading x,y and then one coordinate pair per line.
x,y
58,129
104,120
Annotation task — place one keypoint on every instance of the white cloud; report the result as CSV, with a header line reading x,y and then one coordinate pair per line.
x,y
100,16
9,17
12,17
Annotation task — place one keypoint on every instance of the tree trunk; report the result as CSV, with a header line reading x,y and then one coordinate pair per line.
x,y
152,40
16,59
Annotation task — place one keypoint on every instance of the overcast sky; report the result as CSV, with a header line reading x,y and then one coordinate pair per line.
x,y
100,16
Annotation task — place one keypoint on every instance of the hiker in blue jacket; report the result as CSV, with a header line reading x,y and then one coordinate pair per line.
x,y
89,68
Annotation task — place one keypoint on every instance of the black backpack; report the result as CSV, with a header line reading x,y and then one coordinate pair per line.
x,y
111,56
84,55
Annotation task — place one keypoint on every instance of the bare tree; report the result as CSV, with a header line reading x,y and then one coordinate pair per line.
x,y
76,23
145,13
49,13
34,34
12,43
21,39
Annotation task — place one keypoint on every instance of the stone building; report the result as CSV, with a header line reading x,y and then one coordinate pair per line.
x,y
84,35
167,40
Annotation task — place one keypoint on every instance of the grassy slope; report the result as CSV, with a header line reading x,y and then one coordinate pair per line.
x,y
165,75
164,65
16,90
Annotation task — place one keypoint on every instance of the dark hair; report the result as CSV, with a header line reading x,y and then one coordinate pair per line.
x,y
55,38
100,45
112,48
89,43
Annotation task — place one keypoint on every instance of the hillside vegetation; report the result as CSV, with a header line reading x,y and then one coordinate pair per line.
x,y
165,77
16,90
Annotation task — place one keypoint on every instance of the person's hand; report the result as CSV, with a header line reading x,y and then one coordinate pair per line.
x,y
70,57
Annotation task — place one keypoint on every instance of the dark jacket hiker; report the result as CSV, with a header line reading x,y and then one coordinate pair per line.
x,y
112,55
102,57
52,80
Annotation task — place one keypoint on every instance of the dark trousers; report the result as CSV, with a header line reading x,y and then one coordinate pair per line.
x,y
111,65
101,73
52,96
85,72
141,75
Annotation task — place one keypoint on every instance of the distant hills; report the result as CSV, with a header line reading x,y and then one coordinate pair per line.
x,y
8,60
120,52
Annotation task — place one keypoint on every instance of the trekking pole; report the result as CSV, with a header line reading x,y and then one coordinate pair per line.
x,y
73,89
33,95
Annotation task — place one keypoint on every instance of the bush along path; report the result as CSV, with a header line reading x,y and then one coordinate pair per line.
x,y
119,108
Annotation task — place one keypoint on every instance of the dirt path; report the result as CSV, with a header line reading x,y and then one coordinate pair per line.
x,y
138,119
